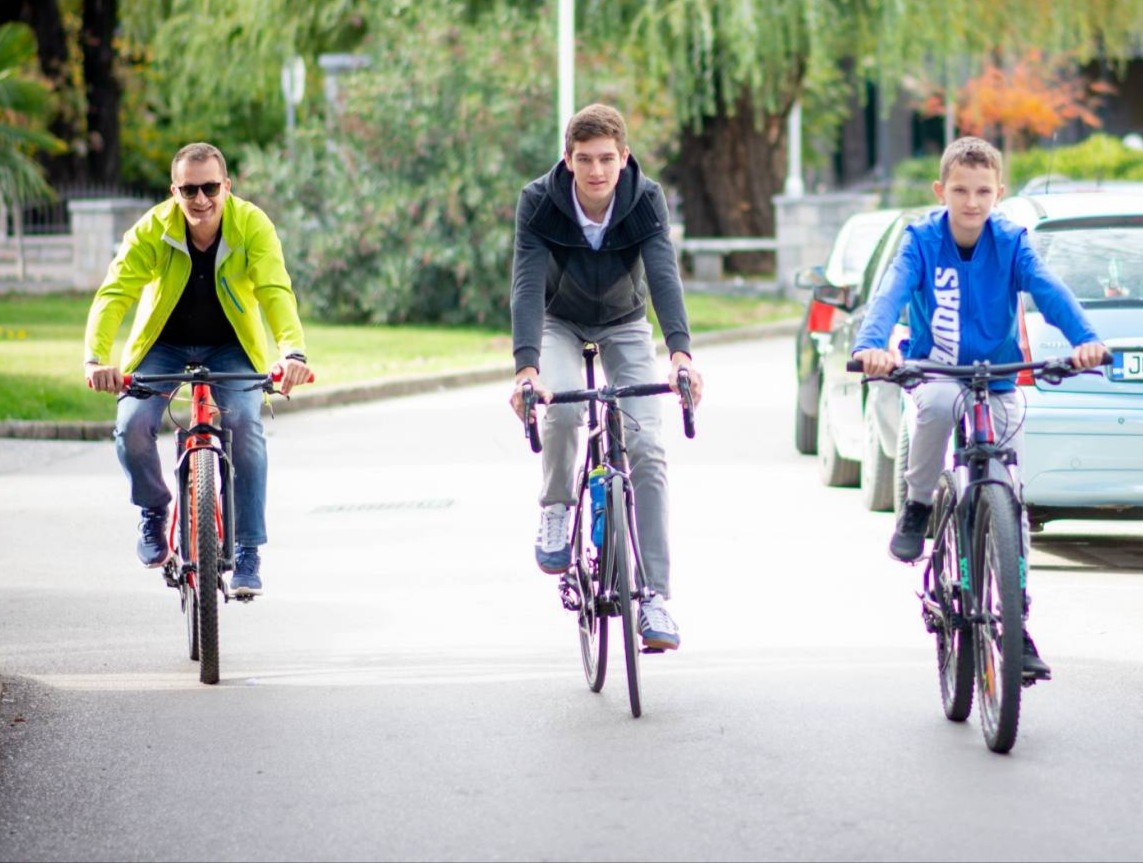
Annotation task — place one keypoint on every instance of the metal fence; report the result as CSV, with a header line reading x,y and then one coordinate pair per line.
x,y
47,217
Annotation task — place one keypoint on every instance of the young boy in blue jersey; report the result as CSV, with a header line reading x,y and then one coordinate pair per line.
x,y
960,272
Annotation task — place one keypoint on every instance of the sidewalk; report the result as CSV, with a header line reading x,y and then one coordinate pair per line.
x,y
307,399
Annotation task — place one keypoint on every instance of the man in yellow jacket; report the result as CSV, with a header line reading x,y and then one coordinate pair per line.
x,y
203,267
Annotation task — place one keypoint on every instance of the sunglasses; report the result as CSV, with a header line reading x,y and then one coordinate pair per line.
x,y
190,190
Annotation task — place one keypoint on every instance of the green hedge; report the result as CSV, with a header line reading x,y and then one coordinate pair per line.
x,y
1100,157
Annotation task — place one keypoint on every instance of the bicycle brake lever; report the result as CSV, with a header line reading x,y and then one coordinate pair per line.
x,y
531,431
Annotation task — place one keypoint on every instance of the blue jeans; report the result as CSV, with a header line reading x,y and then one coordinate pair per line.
x,y
138,424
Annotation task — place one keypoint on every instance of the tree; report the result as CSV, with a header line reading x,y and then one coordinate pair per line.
x,y
735,68
1031,99
23,102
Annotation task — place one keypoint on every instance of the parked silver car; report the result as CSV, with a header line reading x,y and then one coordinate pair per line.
x,y
858,424
1084,438
852,248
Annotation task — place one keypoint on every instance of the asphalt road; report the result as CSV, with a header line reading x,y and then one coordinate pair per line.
x,y
409,687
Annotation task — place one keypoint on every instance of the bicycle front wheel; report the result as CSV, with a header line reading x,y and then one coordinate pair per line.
x,y
204,555
999,627
954,637
585,570
622,552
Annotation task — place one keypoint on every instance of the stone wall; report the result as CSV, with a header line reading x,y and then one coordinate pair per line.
x,y
807,226
76,261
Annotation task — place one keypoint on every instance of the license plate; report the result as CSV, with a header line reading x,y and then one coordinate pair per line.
x,y
1127,366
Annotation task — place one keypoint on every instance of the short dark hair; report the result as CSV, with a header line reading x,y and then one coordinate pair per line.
x,y
595,121
973,152
198,152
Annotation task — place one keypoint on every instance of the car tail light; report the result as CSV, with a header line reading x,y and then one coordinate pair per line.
x,y
820,317
1024,378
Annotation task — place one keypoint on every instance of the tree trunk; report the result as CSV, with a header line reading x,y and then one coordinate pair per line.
x,y
43,16
728,173
99,21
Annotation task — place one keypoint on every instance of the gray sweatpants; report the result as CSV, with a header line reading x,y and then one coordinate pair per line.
x,y
627,357
939,406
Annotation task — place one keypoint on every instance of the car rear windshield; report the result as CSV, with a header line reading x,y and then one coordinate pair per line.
x,y
1101,262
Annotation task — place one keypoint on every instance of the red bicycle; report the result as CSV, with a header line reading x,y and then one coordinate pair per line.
x,y
202,531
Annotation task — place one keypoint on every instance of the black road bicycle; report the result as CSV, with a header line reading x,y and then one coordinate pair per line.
x,y
605,582
973,596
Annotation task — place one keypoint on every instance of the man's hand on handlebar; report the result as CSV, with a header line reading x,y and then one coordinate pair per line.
x,y
1089,355
528,376
294,372
876,362
103,378
679,360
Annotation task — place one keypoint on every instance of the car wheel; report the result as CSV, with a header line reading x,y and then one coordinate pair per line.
x,y
805,431
833,469
877,473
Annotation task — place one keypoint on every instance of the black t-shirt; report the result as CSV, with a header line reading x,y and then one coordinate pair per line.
x,y
198,318
965,251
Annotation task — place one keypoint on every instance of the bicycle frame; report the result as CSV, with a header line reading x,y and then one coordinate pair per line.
x,y
202,434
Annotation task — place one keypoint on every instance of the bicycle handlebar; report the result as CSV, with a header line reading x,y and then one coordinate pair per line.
x,y
138,382
913,372
608,394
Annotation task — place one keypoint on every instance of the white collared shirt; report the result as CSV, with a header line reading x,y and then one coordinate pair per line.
x,y
592,231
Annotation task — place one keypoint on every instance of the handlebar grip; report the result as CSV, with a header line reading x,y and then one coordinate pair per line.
x,y
684,380
531,428
276,375
127,378
1108,359
853,365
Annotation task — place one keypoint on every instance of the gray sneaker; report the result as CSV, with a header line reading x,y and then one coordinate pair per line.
x,y
553,548
656,627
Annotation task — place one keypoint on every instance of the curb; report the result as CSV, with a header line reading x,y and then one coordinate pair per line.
x,y
367,391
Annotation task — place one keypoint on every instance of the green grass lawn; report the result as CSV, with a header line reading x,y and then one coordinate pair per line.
x,y
41,350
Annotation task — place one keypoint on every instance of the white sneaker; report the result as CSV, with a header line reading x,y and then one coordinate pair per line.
x,y
553,549
656,627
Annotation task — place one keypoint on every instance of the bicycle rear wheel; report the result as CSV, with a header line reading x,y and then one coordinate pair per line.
x,y
622,553
585,570
204,554
954,637
999,630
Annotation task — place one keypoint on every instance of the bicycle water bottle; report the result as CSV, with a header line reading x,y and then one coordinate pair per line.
x,y
597,486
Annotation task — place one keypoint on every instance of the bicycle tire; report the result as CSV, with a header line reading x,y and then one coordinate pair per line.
x,y
591,624
620,540
999,630
205,556
955,660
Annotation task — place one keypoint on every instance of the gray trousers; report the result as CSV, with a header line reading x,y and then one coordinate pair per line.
x,y
939,406
627,357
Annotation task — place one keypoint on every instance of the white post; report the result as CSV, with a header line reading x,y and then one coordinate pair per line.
x,y
566,43
795,187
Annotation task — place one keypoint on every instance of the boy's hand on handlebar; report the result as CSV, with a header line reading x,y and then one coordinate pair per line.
x,y
679,360
876,362
1089,355
103,379
528,376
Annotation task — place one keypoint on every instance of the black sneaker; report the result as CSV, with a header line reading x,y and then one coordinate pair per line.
x,y
153,549
1034,666
908,540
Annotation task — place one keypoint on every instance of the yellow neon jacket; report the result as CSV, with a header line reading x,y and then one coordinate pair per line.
x,y
153,265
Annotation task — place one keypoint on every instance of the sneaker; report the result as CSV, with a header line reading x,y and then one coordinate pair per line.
x,y
245,580
908,540
153,549
553,548
656,627
1034,666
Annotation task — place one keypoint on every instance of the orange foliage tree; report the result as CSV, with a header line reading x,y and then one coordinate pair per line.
x,y
1030,100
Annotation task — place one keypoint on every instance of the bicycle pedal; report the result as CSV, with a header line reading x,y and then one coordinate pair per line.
x,y
652,650
243,597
